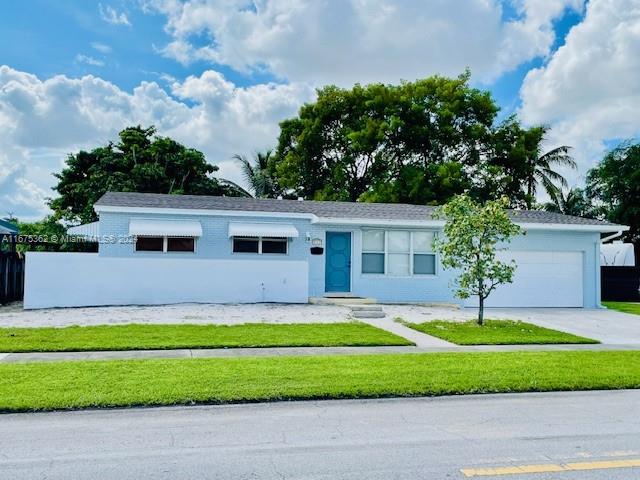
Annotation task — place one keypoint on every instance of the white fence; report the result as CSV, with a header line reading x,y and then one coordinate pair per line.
x,y
85,279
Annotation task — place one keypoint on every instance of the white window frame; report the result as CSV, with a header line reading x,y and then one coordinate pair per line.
x,y
411,254
260,239
165,243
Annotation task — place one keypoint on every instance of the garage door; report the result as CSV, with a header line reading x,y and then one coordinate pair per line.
x,y
542,279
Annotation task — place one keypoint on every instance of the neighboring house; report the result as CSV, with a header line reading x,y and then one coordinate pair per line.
x,y
157,249
8,233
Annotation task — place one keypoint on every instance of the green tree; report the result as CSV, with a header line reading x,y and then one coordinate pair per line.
x,y
49,235
472,233
614,186
138,162
257,174
575,203
416,142
540,166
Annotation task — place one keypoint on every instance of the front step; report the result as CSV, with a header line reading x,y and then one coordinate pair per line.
x,y
367,311
368,314
370,308
342,300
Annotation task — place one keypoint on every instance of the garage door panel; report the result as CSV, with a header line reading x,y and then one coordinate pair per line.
x,y
542,279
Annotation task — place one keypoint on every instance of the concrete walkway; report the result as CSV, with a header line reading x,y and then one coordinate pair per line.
x,y
420,339
291,351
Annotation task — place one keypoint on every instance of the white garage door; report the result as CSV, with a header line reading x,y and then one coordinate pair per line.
x,y
542,279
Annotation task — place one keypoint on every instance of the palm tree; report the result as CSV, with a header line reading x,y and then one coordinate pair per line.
x,y
575,202
257,174
541,166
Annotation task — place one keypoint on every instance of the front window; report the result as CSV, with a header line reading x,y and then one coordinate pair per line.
x,y
165,244
149,244
260,245
398,252
185,244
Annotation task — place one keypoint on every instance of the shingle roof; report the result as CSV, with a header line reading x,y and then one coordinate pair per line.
x,y
337,210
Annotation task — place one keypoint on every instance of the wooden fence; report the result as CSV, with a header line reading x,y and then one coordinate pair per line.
x,y
620,283
11,277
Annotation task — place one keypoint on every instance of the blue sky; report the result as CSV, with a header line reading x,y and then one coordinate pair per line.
x,y
219,76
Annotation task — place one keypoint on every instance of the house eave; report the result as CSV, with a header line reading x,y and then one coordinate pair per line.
x,y
349,221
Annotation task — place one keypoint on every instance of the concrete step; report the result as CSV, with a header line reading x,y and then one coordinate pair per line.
x,y
368,314
366,308
347,301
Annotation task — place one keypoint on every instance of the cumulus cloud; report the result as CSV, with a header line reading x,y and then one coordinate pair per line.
x,y
101,47
80,58
43,120
361,40
110,15
589,91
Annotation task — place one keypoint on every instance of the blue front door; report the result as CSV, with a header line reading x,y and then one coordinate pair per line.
x,y
337,272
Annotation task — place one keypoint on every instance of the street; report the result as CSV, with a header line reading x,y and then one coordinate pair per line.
x,y
418,438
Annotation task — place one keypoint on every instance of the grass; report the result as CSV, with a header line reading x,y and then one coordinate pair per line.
x,y
495,332
87,384
147,337
626,307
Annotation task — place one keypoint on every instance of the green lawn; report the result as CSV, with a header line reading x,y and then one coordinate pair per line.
x,y
85,384
626,307
147,337
495,332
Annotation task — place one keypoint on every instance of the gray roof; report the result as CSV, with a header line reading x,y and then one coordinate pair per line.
x,y
7,227
337,210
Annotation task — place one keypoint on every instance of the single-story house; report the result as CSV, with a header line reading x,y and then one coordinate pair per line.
x,y
8,234
159,249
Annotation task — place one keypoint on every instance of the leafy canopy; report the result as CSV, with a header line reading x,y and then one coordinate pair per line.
x,y
614,186
394,143
472,233
138,162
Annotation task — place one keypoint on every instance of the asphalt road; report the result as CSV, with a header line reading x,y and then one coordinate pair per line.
x,y
374,439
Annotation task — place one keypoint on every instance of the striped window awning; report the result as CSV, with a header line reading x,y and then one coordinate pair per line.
x,y
274,230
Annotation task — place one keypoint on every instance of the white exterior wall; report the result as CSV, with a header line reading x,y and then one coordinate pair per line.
x,y
85,279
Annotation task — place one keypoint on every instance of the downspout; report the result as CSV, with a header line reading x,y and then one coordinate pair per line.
x,y
612,236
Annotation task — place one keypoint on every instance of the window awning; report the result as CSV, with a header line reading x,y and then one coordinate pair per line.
x,y
162,228
88,231
278,230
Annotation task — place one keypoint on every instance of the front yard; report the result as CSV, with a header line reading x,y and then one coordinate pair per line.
x,y
625,307
88,384
495,332
156,337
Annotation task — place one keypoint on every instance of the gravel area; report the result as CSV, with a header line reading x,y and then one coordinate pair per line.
x,y
14,316
182,313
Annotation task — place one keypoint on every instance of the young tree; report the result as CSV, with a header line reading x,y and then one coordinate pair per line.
x,y
472,232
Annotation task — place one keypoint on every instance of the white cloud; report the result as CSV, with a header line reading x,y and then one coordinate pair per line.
x,y
361,40
589,90
101,47
43,120
110,15
80,58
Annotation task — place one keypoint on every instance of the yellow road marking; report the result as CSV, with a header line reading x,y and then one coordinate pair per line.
x,y
550,467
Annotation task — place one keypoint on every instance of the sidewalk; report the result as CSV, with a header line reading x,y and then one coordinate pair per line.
x,y
290,351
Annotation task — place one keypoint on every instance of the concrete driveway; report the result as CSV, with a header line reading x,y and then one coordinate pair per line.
x,y
608,326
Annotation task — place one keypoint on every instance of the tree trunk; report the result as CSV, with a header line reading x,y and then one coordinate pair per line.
x,y
530,183
480,303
